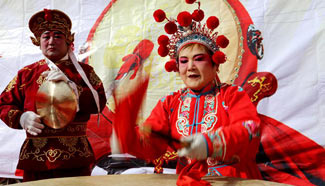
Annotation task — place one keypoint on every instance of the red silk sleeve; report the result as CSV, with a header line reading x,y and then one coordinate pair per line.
x,y
144,145
12,103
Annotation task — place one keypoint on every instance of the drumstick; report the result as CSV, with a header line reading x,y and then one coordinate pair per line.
x,y
167,137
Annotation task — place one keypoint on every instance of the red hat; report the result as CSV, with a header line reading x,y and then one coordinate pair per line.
x,y
47,20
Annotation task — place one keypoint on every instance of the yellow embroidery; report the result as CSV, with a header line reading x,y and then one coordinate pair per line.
x,y
76,147
12,115
27,68
69,142
39,142
80,89
53,155
11,84
264,87
40,80
42,62
164,158
94,79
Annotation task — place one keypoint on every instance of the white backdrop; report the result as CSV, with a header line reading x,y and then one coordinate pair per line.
x,y
294,51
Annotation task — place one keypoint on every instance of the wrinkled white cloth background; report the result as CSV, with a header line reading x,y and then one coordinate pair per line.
x,y
294,51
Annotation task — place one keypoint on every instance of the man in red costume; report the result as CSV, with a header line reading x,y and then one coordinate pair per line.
x,y
48,152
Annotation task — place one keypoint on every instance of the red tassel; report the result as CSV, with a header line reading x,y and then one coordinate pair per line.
x,y
184,19
219,57
212,22
163,40
159,15
170,27
222,41
190,1
163,51
171,66
198,15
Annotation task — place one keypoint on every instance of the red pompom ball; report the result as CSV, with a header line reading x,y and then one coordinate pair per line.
x,y
219,57
222,41
159,15
48,15
184,19
170,27
198,15
171,66
212,22
190,1
163,51
163,40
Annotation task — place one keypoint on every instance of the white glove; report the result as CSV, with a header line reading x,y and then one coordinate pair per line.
x,y
196,147
31,122
55,75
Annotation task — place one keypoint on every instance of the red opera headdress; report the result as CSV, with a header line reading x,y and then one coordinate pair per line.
x,y
188,29
47,20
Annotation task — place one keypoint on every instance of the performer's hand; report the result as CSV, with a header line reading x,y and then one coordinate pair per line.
x,y
196,147
55,75
31,122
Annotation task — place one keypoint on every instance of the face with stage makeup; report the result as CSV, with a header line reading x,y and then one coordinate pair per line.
x,y
195,66
53,45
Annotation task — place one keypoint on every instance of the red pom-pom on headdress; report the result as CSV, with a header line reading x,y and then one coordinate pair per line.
x,y
198,15
184,19
190,1
170,27
171,66
212,22
222,41
163,40
219,57
159,15
163,51
189,29
48,15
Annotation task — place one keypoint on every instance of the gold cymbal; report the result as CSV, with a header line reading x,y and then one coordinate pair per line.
x,y
56,103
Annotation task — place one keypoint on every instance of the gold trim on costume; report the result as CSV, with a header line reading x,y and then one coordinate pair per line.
x,y
40,80
75,146
263,87
11,84
12,115
94,79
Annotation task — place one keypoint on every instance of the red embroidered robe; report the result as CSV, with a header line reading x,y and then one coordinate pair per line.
x,y
67,147
224,113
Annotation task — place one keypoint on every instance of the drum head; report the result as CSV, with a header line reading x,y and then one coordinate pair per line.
x,y
56,103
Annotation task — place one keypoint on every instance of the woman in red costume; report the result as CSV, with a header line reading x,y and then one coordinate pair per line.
x,y
213,126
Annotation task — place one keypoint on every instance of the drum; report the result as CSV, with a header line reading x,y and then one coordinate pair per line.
x,y
141,180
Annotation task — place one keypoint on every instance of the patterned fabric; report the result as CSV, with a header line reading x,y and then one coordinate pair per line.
x,y
220,112
53,148
159,162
